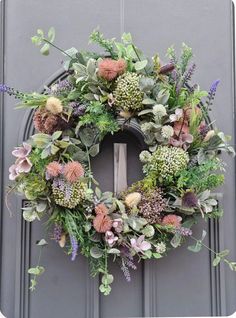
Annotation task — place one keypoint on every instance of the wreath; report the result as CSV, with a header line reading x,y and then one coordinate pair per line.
x,y
100,94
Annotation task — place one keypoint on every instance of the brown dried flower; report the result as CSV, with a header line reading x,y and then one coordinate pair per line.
x,y
102,223
73,171
47,123
54,169
151,205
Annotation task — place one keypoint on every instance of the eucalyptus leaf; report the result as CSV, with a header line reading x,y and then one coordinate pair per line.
x,y
96,252
216,261
56,135
140,65
87,136
94,150
176,240
42,242
45,49
51,34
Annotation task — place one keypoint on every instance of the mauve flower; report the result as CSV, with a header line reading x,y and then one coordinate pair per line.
x,y
73,171
13,172
180,127
23,165
53,169
110,238
139,244
172,219
183,141
118,225
23,151
102,223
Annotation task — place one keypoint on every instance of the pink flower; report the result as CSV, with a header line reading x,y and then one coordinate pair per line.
x,y
183,141
139,245
172,220
23,165
118,225
110,238
13,172
23,151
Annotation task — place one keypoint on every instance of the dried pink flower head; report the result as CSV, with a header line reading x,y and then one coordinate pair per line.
x,y
23,151
54,169
73,171
107,69
101,209
172,219
121,66
102,223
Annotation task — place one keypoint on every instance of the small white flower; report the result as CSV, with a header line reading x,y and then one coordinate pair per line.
x,y
161,248
177,115
145,156
159,110
167,131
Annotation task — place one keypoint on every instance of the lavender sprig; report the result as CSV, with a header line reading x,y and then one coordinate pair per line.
x,y
212,93
57,232
188,75
74,246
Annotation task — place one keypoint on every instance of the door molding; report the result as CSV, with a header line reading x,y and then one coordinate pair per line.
x,y
2,41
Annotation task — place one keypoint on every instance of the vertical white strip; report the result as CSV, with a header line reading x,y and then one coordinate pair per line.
x,y
120,167
122,17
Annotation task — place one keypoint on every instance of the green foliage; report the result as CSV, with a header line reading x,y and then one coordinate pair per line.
x,y
108,45
97,115
40,39
200,178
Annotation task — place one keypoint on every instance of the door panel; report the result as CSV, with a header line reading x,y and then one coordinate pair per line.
x,y
182,284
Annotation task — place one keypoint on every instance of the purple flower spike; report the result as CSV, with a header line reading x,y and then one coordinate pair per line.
x,y
214,87
74,245
4,88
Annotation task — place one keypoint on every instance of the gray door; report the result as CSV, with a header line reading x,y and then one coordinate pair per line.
x,y
182,284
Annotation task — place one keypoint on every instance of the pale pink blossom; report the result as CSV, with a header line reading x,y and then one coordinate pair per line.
x,y
177,115
118,225
139,244
23,151
110,238
23,165
13,172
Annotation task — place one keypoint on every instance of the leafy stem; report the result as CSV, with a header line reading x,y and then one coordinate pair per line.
x,y
57,47
89,166
136,52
